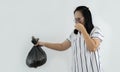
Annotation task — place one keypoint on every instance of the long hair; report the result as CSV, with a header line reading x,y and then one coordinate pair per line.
x,y
87,17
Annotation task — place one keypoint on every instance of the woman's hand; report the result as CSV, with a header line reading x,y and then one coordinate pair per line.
x,y
80,27
40,43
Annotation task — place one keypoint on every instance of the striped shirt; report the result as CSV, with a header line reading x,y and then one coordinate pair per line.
x,y
83,59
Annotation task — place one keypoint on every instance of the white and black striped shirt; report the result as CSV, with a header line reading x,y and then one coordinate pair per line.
x,y
83,59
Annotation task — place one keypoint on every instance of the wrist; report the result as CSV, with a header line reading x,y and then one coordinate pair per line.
x,y
84,32
42,43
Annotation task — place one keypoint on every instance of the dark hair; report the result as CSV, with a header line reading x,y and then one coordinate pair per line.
x,y
87,17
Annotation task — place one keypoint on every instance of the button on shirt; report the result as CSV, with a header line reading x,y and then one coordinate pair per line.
x,y
82,59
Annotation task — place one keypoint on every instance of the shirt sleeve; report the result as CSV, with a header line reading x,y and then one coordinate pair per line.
x,y
97,33
70,37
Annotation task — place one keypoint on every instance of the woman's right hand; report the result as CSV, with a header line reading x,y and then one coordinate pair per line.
x,y
40,43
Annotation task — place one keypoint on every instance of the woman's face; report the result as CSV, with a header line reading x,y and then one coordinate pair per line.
x,y
79,17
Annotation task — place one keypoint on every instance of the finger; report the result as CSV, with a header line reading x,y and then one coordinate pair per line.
x,y
75,26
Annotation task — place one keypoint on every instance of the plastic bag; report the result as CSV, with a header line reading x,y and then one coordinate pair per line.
x,y
36,57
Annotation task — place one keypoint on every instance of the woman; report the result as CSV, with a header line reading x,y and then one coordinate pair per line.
x,y
85,44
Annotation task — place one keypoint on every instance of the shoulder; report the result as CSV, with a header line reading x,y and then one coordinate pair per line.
x,y
97,33
72,34
95,30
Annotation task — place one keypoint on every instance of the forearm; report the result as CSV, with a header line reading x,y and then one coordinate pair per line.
x,y
55,46
89,41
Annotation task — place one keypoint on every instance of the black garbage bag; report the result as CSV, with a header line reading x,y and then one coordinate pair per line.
x,y
37,56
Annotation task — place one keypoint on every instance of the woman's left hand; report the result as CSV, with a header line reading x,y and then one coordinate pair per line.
x,y
80,27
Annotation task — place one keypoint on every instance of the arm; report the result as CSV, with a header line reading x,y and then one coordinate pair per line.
x,y
91,43
56,46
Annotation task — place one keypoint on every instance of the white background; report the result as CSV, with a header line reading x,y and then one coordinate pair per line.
x,y
52,21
